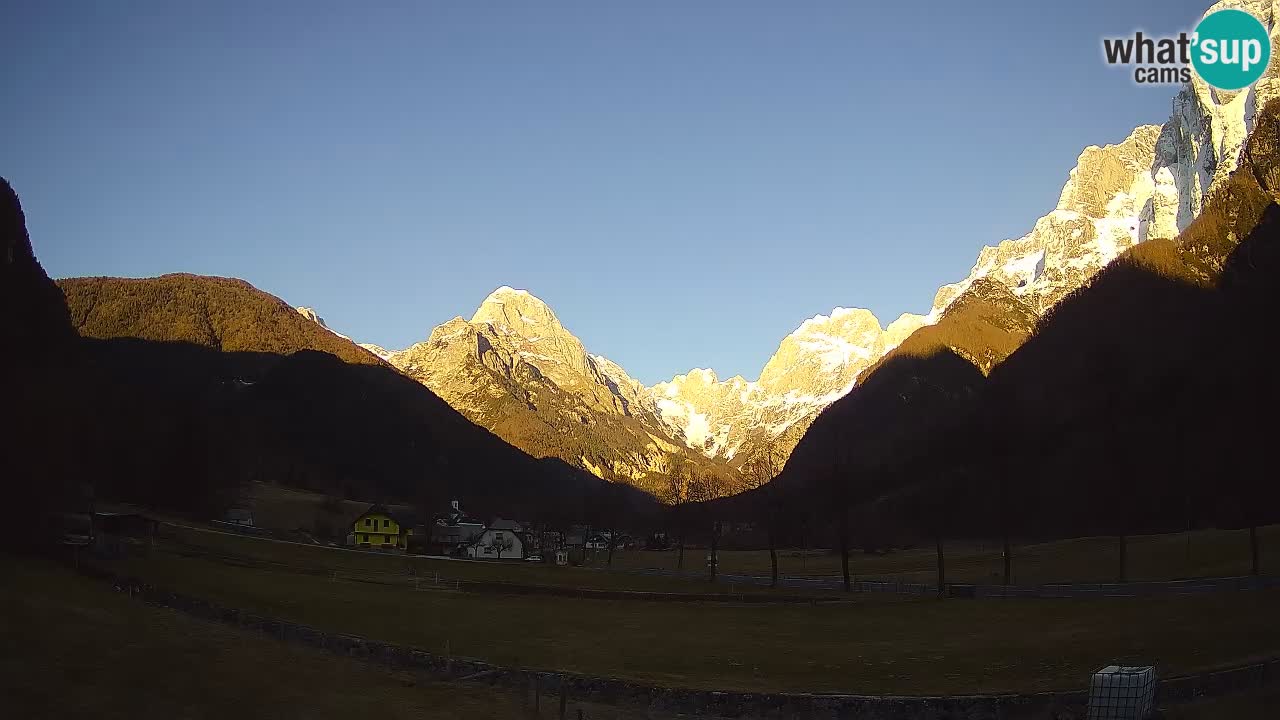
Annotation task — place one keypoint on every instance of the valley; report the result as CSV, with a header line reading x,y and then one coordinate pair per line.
x,y
1056,476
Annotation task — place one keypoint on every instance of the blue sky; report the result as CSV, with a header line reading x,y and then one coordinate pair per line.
x,y
683,182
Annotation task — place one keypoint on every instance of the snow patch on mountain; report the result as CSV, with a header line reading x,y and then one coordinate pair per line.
x,y
313,316
378,350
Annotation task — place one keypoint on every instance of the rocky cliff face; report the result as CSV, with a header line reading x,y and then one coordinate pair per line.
x,y
34,320
811,368
1150,185
313,316
516,370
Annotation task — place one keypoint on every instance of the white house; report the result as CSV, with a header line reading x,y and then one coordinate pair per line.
x,y
502,539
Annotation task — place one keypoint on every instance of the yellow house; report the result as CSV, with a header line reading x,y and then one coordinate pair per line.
x,y
377,528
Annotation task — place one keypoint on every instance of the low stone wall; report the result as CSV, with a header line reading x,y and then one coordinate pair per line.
x,y
1042,706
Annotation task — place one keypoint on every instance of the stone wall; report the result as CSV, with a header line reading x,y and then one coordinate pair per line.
x,y
1069,705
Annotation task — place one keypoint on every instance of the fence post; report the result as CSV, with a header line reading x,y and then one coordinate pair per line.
x,y
564,698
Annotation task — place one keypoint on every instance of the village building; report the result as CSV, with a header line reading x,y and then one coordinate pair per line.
x,y
452,532
574,549
377,528
598,541
239,516
119,530
501,540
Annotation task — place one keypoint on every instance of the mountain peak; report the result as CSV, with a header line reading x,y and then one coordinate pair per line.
x,y
310,314
518,310
839,317
508,290
313,316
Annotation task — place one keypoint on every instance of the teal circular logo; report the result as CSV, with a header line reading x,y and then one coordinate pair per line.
x,y
1231,49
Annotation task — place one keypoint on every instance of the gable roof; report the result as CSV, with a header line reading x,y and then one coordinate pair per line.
x,y
500,524
405,517
376,509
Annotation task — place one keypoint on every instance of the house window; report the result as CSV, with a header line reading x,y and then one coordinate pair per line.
x,y
364,538
368,522
386,522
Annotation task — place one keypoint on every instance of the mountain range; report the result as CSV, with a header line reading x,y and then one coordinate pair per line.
x,y
1141,402
516,370
175,391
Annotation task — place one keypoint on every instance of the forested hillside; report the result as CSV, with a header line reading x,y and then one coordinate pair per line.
x,y
213,312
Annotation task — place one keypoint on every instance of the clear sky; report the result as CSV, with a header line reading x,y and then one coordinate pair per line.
x,y
683,182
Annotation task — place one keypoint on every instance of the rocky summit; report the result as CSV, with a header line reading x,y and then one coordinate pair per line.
x,y
516,370
812,367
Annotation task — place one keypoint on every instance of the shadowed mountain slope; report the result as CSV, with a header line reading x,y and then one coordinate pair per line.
x,y
1141,402
184,387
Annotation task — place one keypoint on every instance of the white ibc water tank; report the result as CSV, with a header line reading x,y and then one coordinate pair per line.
x,y
1120,692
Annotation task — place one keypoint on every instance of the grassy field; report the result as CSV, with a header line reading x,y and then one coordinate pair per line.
x,y
1202,553
74,649
292,557
1205,553
873,644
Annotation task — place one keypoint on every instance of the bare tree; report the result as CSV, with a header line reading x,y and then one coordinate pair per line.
x,y
678,476
701,490
760,475
840,503
611,509
1003,468
500,542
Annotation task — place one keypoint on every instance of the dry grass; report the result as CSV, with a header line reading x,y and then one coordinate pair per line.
x,y
319,560
1208,553
74,649
874,644
1152,557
